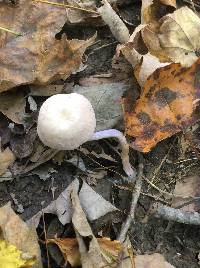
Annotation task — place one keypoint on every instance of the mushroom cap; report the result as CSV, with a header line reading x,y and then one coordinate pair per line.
x,y
66,121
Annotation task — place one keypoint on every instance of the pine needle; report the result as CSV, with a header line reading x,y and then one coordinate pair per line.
x,y
10,31
67,6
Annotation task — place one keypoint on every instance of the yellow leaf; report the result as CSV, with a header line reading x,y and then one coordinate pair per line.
x,y
11,257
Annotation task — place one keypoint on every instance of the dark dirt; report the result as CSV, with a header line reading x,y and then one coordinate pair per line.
x,y
179,243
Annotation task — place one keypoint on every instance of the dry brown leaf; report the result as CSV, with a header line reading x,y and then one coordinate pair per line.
x,y
37,56
12,105
151,261
7,158
152,10
70,250
175,38
16,232
165,107
187,188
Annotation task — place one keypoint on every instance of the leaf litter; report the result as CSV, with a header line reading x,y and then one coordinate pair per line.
x,y
167,103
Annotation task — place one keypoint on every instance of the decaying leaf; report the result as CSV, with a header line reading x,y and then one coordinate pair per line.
x,y
70,250
36,56
165,107
175,38
105,99
152,10
12,105
187,189
91,253
16,232
6,159
11,257
151,261
94,205
78,16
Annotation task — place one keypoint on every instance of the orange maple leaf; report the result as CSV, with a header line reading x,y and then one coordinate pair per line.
x,y
166,106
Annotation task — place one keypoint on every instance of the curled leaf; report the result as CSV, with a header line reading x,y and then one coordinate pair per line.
x,y
175,38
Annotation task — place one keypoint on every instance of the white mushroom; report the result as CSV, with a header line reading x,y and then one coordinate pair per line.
x,y
66,121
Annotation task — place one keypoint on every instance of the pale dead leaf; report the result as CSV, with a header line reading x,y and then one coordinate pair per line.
x,y
151,261
7,158
90,257
12,105
147,66
106,100
175,38
189,186
78,16
16,232
116,25
94,205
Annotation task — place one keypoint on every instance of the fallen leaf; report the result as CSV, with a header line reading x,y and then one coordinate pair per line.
x,y
22,145
10,256
70,250
146,67
12,105
91,253
151,261
166,106
36,57
175,38
94,205
16,232
7,158
152,10
78,16
105,99
185,191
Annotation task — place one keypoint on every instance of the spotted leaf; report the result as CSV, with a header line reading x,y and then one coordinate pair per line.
x,y
166,106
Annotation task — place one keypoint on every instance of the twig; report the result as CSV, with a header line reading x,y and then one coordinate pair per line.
x,y
173,214
67,6
10,31
46,241
135,197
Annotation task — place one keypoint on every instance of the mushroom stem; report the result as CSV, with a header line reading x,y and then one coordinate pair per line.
x,y
114,133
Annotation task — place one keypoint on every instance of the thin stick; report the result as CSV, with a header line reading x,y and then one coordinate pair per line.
x,y
10,31
135,196
173,214
45,239
67,6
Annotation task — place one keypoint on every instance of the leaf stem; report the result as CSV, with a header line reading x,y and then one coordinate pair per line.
x,y
67,6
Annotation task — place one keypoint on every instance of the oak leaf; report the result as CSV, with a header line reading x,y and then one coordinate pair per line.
x,y
166,106
175,38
